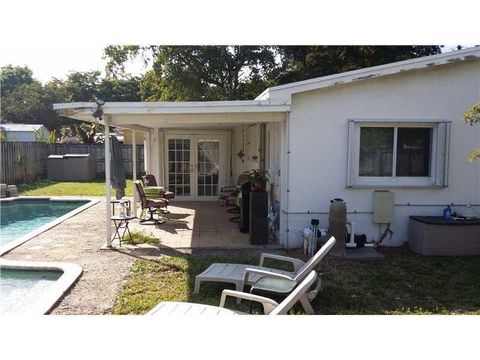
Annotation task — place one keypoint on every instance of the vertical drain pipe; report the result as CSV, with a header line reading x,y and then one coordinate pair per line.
x,y
287,170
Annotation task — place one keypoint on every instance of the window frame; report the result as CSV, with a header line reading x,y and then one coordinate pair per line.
x,y
440,141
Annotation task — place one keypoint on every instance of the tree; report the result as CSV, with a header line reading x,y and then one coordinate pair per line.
x,y
26,100
471,117
183,73
22,97
14,76
306,62
115,89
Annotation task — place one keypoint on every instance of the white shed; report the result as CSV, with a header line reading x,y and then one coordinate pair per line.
x,y
24,132
396,127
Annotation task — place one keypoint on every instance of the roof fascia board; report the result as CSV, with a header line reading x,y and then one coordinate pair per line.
x,y
79,109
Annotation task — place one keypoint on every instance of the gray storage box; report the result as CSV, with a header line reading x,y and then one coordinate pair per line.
x,y
71,167
55,168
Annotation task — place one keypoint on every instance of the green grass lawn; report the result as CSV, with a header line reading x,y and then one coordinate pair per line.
x,y
45,187
404,283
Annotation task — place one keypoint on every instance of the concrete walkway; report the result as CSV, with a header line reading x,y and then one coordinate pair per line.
x,y
79,239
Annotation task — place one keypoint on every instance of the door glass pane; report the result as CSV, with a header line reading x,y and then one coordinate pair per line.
x,y
413,151
376,151
179,166
208,167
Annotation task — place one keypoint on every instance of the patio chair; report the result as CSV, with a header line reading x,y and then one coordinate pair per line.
x,y
270,307
241,275
150,205
228,194
149,180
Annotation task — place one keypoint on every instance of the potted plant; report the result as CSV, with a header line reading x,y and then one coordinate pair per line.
x,y
258,179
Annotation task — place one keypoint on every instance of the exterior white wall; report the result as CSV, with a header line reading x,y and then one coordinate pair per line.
x,y
318,145
251,145
273,157
127,137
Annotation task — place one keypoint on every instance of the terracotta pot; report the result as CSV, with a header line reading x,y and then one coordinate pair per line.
x,y
258,185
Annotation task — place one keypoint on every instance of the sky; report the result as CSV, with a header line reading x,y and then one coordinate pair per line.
x,y
54,37
63,59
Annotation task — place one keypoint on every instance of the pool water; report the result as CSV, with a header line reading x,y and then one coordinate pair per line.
x,y
19,217
20,289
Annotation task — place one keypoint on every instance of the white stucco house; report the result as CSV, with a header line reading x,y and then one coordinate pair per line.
x,y
24,132
396,127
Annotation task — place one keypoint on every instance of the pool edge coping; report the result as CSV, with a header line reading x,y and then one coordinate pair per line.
x,y
16,243
70,274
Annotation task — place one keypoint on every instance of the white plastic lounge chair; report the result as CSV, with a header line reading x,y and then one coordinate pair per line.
x,y
270,307
241,275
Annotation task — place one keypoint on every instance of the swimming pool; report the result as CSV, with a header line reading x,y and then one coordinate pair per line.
x,y
23,218
30,288
19,289
34,287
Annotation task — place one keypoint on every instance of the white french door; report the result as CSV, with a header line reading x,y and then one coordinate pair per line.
x,y
196,165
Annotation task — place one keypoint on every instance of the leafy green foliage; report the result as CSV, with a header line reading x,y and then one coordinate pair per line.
x,y
26,100
306,62
13,76
471,117
188,73
259,175
194,73
51,138
22,162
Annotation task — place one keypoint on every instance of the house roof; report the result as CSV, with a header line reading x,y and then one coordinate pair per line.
x,y
20,127
282,93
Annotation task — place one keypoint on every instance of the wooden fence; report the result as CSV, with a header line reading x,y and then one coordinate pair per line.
x,y
22,161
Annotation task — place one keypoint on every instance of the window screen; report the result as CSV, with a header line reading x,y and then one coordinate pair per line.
x,y
376,151
413,151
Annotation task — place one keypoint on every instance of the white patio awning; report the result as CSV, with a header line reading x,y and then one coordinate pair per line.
x,y
143,116
138,115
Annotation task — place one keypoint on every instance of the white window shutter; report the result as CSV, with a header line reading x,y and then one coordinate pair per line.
x,y
442,151
350,150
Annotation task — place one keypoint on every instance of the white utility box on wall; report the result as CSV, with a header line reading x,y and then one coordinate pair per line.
x,y
383,206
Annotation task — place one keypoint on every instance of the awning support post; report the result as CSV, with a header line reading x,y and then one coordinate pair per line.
x,y
146,151
134,170
108,181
